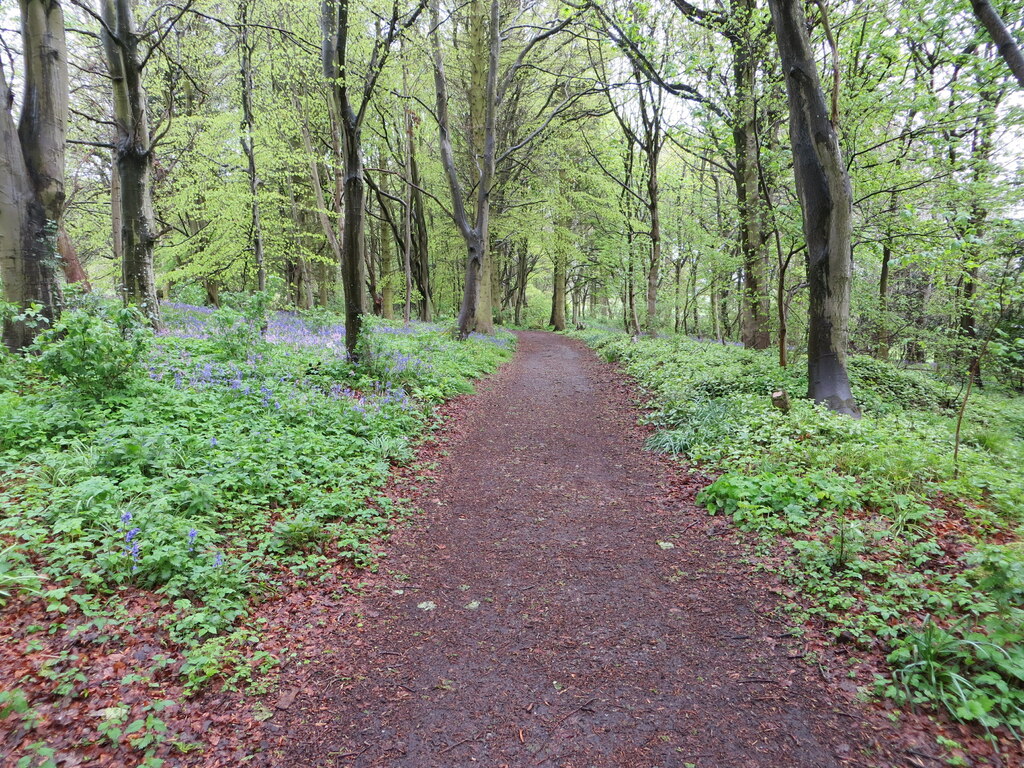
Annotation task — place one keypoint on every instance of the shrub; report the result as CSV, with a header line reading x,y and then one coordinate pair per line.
x,y
97,350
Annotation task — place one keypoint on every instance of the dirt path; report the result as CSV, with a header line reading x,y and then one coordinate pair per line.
x,y
538,617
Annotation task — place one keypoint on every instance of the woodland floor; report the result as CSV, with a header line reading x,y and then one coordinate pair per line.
x,y
534,614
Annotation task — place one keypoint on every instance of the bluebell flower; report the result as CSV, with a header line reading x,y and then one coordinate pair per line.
x,y
126,517
135,554
130,536
192,534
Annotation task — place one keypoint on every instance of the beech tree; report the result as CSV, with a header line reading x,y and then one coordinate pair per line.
x,y
488,87
1001,36
32,170
349,104
826,199
132,194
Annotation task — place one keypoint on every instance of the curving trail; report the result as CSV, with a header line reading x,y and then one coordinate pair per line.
x,y
562,632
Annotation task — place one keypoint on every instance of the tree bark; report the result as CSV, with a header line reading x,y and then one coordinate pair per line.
x,y
74,272
1001,36
557,320
348,122
754,327
407,210
32,170
485,40
653,205
133,158
823,187
475,308
347,118
421,245
882,335
248,144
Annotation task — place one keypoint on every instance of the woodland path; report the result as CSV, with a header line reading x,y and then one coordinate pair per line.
x,y
563,633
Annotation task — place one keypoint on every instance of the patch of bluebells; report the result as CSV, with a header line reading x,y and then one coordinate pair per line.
x,y
496,340
290,328
246,380
412,329
399,363
191,322
186,321
132,545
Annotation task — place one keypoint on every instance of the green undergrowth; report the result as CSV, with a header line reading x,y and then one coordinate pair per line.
x,y
198,468
891,543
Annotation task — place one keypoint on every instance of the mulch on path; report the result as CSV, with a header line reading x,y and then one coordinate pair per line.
x,y
560,602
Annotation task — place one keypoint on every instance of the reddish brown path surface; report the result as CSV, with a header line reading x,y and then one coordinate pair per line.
x,y
535,616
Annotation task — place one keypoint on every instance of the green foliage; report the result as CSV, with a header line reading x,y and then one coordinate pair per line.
x,y
235,459
780,502
882,387
999,572
852,500
689,423
97,349
16,574
974,678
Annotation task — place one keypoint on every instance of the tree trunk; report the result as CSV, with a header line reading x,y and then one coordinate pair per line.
x,y
385,279
323,285
1001,36
522,275
557,320
823,187
116,215
654,265
475,309
678,307
632,320
407,236
248,145
133,158
421,264
755,302
882,335
32,170
349,123
74,272
497,264
482,131
303,284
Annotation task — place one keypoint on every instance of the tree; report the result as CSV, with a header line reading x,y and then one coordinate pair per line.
x,y
1001,36
132,197
739,26
246,46
349,106
474,313
32,169
487,92
826,200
